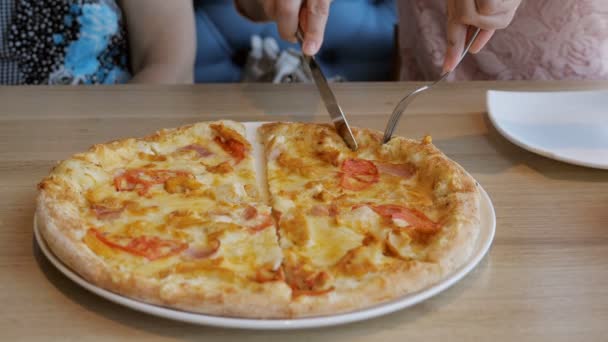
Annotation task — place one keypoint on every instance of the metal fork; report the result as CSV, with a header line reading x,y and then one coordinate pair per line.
x,y
402,105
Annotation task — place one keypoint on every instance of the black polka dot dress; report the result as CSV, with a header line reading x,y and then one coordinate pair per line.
x,y
68,42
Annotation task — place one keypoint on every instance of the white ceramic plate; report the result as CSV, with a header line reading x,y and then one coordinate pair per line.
x,y
567,126
488,227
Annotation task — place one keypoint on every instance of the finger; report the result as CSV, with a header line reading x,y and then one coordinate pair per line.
x,y
316,13
456,36
467,12
494,7
482,39
286,14
497,22
462,11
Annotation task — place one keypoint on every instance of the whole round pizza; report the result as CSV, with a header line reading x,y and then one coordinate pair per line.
x,y
179,219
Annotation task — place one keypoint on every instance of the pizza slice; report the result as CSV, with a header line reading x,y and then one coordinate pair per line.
x,y
358,228
173,219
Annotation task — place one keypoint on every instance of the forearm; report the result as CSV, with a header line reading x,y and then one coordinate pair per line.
x,y
162,40
163,74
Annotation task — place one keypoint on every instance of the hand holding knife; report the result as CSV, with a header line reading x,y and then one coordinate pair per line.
x,y
291,16
329,99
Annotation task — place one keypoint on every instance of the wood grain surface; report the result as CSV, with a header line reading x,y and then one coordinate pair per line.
x,y
545,278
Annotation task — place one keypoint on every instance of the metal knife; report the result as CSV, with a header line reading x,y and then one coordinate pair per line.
x,y
329,99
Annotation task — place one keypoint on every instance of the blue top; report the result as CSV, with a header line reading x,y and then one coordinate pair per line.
x,y
62,42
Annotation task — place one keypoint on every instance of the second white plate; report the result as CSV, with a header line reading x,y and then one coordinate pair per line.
x,y
568,126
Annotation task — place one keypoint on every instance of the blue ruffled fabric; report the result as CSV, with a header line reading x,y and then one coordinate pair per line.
x,y
70,42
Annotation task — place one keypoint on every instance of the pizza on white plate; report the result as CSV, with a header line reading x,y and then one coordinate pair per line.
x,y
177,219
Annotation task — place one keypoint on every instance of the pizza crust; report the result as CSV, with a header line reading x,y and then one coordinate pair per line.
x,y
386,287
54,223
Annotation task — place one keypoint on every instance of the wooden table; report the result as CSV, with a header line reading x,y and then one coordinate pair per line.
x,y
545,278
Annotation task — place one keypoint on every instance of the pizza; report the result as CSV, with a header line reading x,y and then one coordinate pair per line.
x,y
184,219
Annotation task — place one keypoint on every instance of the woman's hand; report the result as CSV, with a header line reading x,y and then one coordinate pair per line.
x,y
465,15
311,15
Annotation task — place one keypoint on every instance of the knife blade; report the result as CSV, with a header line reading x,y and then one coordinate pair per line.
x,y
329,99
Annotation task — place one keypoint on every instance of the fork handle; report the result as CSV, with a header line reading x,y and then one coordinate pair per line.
x,y
400,108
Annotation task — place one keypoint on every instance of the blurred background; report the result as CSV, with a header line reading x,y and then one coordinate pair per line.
x,y
157,41
224,41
